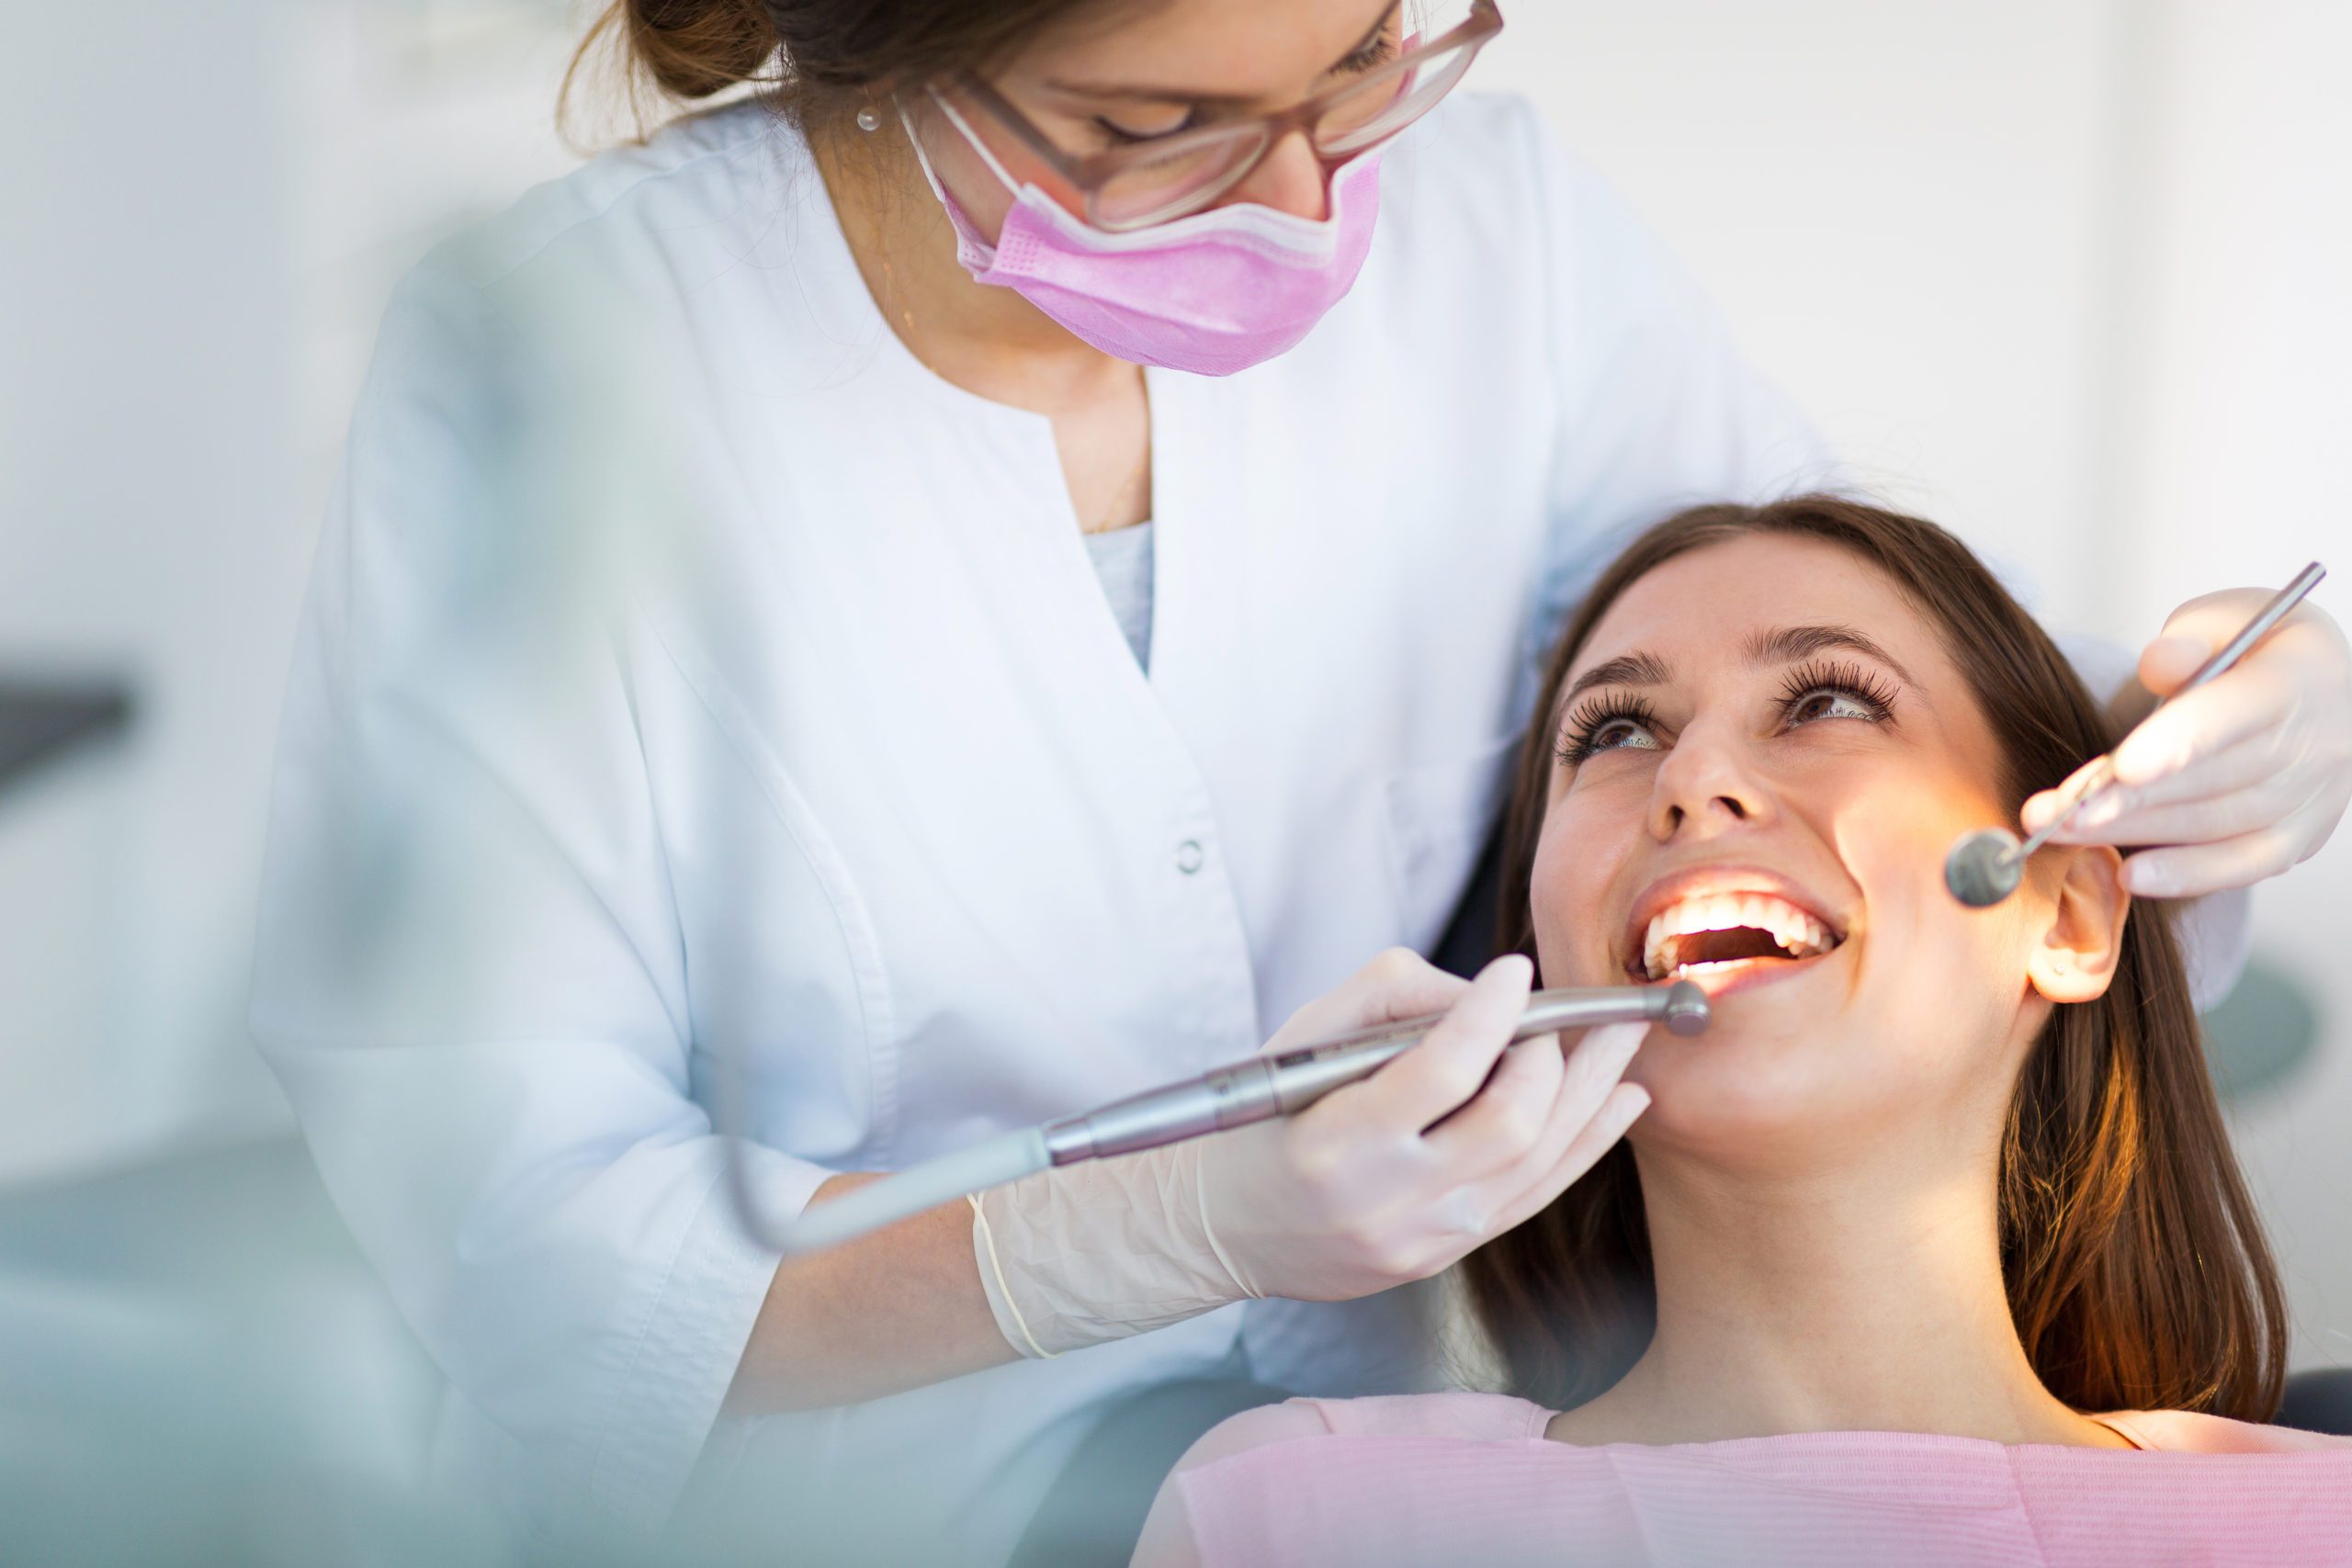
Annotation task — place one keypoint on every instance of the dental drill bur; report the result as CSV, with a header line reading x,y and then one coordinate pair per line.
x,y
1986,865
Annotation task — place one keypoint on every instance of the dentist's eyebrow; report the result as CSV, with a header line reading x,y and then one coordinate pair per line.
x,y
1138,92
1786,645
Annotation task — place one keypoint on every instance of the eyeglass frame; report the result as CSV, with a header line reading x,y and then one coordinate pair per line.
x,y
1087,172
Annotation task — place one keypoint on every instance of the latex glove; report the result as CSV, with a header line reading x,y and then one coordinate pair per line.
x,y
2239,779
1386,1180
1396,1176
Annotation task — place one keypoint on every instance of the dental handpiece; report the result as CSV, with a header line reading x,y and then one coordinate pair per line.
x,y
1986,865
1281,1083
1284,1083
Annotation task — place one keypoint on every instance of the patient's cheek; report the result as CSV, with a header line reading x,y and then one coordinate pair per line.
x,y
1940,985
1570,946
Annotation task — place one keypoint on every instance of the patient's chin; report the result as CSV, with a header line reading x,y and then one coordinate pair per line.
x,y
1749,1091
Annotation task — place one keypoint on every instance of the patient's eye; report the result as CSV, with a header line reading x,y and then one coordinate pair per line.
x,y
1607,724
1828,703
1835,691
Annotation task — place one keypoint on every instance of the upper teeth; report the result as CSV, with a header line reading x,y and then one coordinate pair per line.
x,y
1798,933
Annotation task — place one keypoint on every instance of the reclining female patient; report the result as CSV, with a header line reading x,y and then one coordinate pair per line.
x,y
1937,1212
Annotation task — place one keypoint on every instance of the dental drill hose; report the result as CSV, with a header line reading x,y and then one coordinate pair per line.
x,y
1254,1089
1005,1157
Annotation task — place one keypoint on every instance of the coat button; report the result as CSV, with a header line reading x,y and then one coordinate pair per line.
x,y
1190,856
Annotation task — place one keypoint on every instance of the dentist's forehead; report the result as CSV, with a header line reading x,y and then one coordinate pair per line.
x,y
1209,50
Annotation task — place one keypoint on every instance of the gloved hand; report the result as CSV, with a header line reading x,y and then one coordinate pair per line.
x,y
1395,1177
2240,779
1386,1180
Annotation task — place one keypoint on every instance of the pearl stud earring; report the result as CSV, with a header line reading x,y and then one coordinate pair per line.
x,y
867,121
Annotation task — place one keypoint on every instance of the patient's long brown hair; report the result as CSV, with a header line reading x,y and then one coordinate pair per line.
x,y
2136,1270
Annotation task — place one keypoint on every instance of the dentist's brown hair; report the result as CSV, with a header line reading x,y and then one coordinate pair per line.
x,y
819,60
2136,1270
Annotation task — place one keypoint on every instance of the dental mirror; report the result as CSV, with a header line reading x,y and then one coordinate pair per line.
x,y
1986,865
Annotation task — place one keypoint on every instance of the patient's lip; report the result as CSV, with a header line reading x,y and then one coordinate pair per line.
x,y
1696,881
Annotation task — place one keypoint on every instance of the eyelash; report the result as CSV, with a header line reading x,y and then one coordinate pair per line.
x,y
1372,56
1379,52
1581,734
1595,714
1122,137
1846,681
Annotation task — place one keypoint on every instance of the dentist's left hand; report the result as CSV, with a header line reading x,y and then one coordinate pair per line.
x,y
2238,780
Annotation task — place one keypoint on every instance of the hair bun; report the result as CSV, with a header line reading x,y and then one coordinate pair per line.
x,y
817,61
696,48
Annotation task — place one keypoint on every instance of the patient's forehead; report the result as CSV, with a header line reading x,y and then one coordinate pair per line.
x,y
1705,605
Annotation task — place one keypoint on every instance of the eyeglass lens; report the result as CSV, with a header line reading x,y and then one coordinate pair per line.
x,y
1151,189
1380,109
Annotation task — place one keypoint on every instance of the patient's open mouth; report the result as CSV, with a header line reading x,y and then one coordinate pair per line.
x,y
1711,930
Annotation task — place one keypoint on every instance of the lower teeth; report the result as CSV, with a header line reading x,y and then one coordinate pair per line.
x,y
1697,964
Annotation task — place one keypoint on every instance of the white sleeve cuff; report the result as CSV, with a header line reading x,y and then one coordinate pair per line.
x,y
685,1357
2216,935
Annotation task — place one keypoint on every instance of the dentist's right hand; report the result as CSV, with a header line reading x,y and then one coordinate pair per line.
x,y
1397,1175
1381,1182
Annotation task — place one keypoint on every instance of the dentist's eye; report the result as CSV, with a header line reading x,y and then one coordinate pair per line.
x,y
1124,136
1378,52
1836,690
1608,724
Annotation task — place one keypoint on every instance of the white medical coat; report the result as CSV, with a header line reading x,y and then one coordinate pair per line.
x,y
860,786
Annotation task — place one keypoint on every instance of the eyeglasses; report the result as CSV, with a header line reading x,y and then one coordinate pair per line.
x,y
1167,177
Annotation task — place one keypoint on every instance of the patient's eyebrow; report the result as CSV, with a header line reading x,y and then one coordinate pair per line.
x,y
1786,645
1625,670
1782,645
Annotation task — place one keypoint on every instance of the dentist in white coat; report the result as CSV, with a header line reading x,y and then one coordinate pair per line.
x,y
1091,481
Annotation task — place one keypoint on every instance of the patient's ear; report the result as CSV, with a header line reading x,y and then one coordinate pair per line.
x,y
2076,958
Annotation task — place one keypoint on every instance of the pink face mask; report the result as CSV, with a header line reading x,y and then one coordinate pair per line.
x,y
1211,293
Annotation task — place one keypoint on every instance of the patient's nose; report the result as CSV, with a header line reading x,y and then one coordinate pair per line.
x,y
1707,785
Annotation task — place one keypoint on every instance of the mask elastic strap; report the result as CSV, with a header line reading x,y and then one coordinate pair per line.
x,y
972,248
971,138
930,175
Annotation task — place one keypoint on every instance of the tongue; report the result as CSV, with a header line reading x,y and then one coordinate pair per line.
x,y
1722,947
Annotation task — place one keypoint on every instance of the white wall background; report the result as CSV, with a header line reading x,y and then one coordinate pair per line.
x,y
2233,391
2069,275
